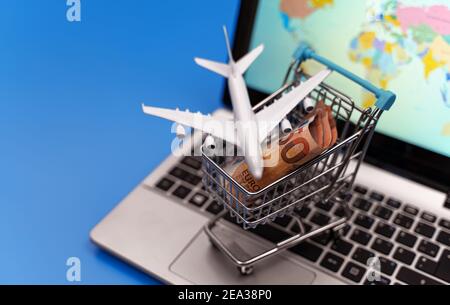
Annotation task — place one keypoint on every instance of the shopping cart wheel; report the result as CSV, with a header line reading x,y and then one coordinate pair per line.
x,y
245,270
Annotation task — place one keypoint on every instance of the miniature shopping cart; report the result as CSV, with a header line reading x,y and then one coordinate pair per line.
x,y
329,176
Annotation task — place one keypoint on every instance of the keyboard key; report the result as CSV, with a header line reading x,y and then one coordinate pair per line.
x,y
179,173
303,212
181,192
443,237
192,162
364,221
270,233
443,268
382,212
332,262
344,231
362,255
361,237
360,189
403,255
393,203
382,246
214,208
445,223
326,206
323,238
412,277
193,179
385,229
387,266
353,272
295,228
426,265
346,197
428,248
424,229
340,212
403,221
307,250
283,221
378,281
341,246
362,204
320,219
185,176
428,217
411,210
406,239
164,184
198,199
376,196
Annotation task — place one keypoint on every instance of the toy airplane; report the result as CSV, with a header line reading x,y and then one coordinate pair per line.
x,y
243,131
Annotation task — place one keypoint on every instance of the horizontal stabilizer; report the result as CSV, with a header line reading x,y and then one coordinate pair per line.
x,y
219,68
249,58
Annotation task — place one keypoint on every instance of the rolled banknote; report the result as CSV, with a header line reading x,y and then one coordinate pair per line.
x,y
293,150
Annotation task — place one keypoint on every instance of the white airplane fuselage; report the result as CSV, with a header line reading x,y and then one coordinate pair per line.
x,y
248,129
246,123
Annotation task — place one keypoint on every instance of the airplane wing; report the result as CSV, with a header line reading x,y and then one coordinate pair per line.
x,y
223,129
272,115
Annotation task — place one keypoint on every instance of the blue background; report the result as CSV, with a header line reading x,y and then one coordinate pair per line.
x,y
73,138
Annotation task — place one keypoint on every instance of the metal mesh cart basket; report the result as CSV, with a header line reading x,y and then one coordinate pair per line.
x,y
328,176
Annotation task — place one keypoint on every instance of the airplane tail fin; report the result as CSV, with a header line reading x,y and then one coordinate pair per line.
x,y
227,41
226,69
242,65
220,68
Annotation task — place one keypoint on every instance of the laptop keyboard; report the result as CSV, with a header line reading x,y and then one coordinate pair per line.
x,y
412,246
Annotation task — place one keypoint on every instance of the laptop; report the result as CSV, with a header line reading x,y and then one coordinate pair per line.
x,y
400,200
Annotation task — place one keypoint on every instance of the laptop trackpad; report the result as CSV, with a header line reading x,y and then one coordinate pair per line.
x,y
201,263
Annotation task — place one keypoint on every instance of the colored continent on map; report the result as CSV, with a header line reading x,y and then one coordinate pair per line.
x,y
409,32
399,45
299,9
394,35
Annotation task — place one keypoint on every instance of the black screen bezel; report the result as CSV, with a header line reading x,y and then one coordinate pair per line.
x,y
408,160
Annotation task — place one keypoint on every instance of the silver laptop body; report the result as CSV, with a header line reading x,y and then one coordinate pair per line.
x,y
158,228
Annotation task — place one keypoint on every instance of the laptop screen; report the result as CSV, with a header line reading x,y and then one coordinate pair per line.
x,y
403,46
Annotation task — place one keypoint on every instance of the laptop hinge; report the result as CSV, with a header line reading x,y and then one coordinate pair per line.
x,y
447,200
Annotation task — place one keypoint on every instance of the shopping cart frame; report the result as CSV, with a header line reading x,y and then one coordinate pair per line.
x,y
332,182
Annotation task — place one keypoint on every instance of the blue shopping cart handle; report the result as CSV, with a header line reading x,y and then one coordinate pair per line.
x,y
385,98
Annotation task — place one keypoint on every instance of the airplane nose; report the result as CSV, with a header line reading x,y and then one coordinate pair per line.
x,y
257,173
255,162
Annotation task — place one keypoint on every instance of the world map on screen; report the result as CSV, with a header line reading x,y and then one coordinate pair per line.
x,y
400,45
